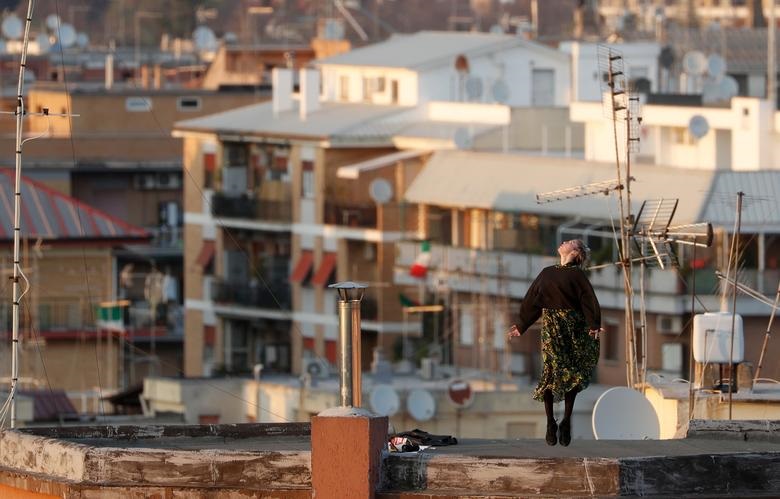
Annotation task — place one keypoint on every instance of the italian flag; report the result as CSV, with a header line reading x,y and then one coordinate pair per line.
x,y
419,268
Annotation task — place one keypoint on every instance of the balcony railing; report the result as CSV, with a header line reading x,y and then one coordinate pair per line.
x,y
350,216
276,295
250,207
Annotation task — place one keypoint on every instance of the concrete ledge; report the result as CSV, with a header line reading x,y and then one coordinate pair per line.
x,y
118,456
765,430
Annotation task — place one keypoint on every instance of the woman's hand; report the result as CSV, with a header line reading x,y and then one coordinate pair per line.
x,y
513,331
594,333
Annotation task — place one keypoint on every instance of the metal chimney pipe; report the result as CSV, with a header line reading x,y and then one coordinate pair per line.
x,y
350,295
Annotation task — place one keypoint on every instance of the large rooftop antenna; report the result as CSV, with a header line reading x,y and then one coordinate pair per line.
x,y
18,275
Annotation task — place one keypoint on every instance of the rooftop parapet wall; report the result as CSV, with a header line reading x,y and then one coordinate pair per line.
x,y
251,456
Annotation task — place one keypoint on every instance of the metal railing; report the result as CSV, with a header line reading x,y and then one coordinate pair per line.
x,y
250,207
275,296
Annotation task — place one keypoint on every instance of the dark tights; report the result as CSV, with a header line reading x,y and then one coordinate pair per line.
x,y
568,400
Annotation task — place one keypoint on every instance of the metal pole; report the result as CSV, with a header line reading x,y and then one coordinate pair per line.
x,y
740,194
350,296
771,90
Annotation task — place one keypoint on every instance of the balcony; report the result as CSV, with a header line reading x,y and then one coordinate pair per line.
x,y
276,296
250,207
350,216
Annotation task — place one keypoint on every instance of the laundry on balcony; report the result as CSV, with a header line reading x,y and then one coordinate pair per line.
x,y
303,267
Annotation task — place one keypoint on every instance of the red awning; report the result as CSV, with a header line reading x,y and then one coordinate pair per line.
x,y
206,254
303,266
327,265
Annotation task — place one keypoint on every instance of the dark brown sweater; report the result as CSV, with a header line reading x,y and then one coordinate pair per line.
x,y
560,286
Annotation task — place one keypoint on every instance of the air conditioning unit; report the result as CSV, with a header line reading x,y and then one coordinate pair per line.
x,y
145,181
316,367
168,181
668,324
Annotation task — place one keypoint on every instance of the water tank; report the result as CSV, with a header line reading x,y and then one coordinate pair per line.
x,y
712,338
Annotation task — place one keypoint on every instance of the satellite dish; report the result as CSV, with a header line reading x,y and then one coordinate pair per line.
x,y
380,190
460,393
52,21
230,38
694,63
42,39
698,126
716,66
642,85
474,87
420,404
384,400
462,138
624,414
500,91
666,57
67,35
82,40
204,39
12,27
728,88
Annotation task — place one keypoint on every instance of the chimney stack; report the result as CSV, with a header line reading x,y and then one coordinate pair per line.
x,y
309,92
281,81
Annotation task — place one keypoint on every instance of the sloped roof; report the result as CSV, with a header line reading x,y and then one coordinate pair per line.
x,y
507,182
330,120
427,49
50,215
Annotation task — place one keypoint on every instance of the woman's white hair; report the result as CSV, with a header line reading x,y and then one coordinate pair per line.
x,y
578,250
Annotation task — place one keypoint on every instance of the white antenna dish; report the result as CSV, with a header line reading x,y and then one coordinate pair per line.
x,y
694,63
698,126
716,66
67,35
12,27
462,138
384,400
204,39
420,404
728,88
500,91
82,40
473,87
380,190
52,21
42,39
624,414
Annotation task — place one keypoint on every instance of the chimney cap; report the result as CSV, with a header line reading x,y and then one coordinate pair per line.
x,y
349,290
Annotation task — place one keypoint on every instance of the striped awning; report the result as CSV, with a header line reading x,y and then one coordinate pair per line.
x,y
51,215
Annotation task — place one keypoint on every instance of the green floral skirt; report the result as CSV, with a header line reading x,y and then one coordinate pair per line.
x,y
569,353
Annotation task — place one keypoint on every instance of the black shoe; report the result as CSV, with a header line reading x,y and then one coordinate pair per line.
x,y
565,432
552,433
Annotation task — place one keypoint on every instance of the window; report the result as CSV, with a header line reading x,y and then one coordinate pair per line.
x,y
681,135
307,179
394,91
609,342
188,104
138,104
344,88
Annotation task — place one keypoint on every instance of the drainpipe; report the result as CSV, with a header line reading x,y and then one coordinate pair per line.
x,y
350,295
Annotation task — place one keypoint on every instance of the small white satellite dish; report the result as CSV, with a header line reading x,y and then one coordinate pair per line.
x,y
624,414
67,35
52,21
710,92
462,138
380,190
384,400
716,66
728,88
473,87
12,27
82,40
500,91
420,404
42,39
204,39
698,126
694,62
